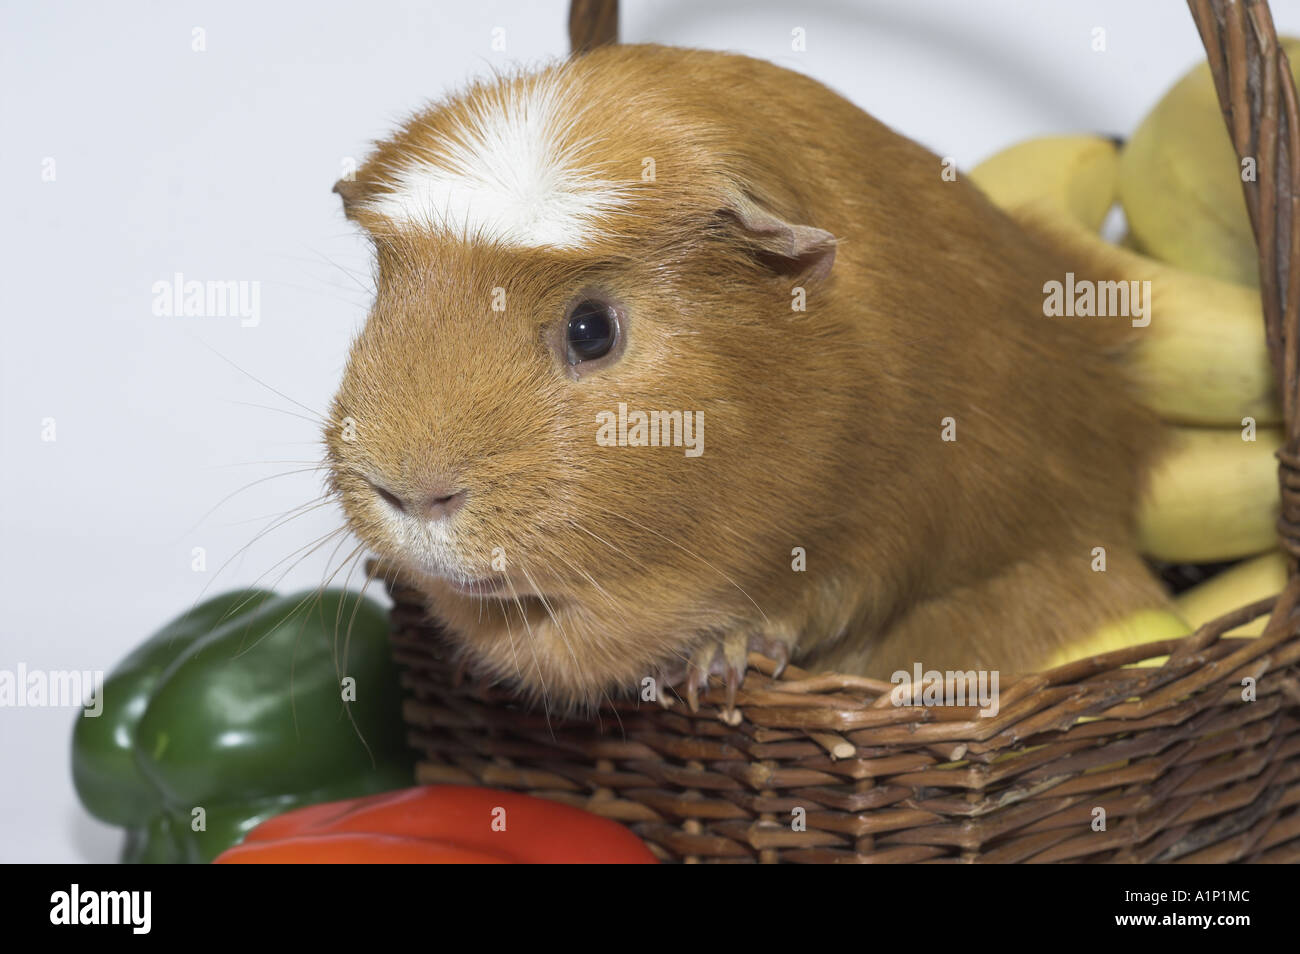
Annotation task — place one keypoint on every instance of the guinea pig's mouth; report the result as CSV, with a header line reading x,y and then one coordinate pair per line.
x,y
489,588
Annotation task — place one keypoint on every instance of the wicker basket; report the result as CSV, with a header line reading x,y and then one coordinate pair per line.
x,y
1184,769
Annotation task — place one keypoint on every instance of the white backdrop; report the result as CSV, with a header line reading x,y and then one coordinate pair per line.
x,y
128,156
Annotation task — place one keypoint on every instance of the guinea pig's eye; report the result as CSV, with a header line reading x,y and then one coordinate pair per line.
x,y
592,330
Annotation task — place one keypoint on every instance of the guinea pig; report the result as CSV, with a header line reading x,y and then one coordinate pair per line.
x,y
676,355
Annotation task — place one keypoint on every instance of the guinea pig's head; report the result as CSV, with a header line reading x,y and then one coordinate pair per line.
x,y
561,416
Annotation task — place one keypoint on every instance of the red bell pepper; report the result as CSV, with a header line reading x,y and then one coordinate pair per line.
x,y
440,824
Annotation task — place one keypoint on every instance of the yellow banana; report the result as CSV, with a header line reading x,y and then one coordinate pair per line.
x,y
1180,182
1233,588
1203,358
1212,496
1143,626
1078,174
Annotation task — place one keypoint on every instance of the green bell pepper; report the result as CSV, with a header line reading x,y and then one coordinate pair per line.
x,y
242,708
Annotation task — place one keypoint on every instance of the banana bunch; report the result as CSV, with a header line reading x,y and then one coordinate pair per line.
x,y
1202,362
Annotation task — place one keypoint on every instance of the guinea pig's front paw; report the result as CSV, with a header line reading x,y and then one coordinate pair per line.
x,y
727,657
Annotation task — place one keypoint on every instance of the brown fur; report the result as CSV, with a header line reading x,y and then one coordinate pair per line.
x,y
822,428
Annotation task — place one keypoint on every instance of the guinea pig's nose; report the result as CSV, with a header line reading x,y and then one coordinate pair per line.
x,y
442,502
434,504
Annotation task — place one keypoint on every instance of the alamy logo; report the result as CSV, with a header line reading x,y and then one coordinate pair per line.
x,y
651,429
102,907
948,688
179,298
53,689
1083,298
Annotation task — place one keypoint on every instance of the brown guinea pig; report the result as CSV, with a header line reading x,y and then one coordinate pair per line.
x,y
677,354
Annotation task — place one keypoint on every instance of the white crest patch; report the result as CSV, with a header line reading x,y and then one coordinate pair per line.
x,y
511,172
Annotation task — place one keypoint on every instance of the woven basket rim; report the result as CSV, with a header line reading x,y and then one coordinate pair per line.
x,y
1102,686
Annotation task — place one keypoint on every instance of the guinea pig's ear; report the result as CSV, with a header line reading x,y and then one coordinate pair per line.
x,y
787,247
352,192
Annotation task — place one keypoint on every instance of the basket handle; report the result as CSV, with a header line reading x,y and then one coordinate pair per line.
x,y
592,23
1258,97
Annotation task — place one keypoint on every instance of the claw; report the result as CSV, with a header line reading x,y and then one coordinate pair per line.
x,y
735,653
780,653
728,657
732,678
704,662
695,680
